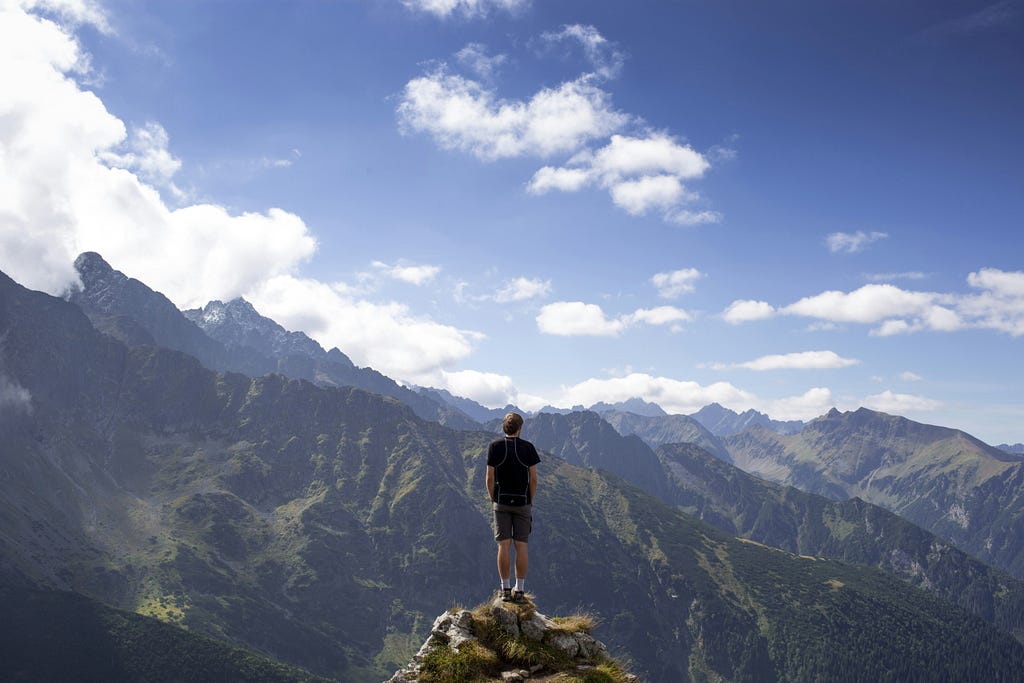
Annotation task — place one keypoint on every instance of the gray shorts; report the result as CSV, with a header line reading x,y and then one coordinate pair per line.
x,y
513,521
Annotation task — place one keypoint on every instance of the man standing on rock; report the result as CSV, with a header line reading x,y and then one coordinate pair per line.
x,y
511,484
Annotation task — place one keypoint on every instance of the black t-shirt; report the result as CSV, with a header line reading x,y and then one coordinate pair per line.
x,y
512,458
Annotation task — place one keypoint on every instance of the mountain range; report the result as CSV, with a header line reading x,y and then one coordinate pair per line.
x,y
319,524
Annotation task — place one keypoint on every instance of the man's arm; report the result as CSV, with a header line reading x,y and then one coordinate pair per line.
x,y
490,482
533,482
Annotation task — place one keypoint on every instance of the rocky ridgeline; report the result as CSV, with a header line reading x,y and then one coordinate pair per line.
x,y
509,642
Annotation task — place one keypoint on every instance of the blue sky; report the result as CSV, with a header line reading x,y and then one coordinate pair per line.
x,y
786,206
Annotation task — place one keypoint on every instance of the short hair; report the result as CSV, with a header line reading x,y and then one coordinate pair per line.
x,y
512,423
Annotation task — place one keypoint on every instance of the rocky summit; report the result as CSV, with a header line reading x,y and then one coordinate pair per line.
x,y
510,642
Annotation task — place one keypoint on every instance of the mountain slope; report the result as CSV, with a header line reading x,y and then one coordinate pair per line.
x,y
56,636
230,337
941,479
658,430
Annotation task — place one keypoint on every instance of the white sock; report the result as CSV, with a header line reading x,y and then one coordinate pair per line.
x,y
520,583
506,583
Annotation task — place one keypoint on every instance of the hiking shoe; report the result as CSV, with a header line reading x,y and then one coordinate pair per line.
x,y
506,595
518,596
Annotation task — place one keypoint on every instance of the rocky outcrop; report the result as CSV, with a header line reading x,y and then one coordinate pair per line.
x,y
500,628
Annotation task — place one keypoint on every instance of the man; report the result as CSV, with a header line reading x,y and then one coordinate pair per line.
x,y
511,485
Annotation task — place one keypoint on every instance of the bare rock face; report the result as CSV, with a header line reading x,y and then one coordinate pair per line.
x,y
521,622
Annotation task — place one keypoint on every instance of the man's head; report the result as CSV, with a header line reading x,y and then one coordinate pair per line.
x,y
512,423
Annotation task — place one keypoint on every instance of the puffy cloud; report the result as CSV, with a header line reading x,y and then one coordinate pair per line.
x,y
654,155
73,11
148,156
461,114
474,56
486,388
446,8
575,318
851,243
908,376
521,289
675,283
889,402
803,360
386,337
742,311
1000,303
675,396
810,404
649,192
869,304
58,197
414,275
640,173
659,315
604,57
563,179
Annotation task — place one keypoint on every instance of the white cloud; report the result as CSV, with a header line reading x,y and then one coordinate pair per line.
x,y
742,311
869,304
640,173
675,396
564,179
888,277
660,315
414,275
673,284
604,57
810,404
386,337
803,360
889,402
576,318
486,388
521,289
851,243
999,305
1000,283
686,217
474,57
654,155
446,8
908,376
76,12
649,192
461,114
147,155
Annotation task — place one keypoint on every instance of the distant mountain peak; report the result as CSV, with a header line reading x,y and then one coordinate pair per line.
x,y
634,405
722,421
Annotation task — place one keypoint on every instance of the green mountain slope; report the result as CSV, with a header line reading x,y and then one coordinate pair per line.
x,y
50,635
941,479
320,525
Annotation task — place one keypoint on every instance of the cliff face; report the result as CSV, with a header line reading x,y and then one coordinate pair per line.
x,y
509,642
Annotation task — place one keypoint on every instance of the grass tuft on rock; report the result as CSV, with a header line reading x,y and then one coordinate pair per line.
x,y
470,664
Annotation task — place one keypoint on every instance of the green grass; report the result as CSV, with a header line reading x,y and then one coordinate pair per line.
x,y
471,663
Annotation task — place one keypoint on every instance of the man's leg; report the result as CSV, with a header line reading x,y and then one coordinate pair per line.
x,y
505,560
522,560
